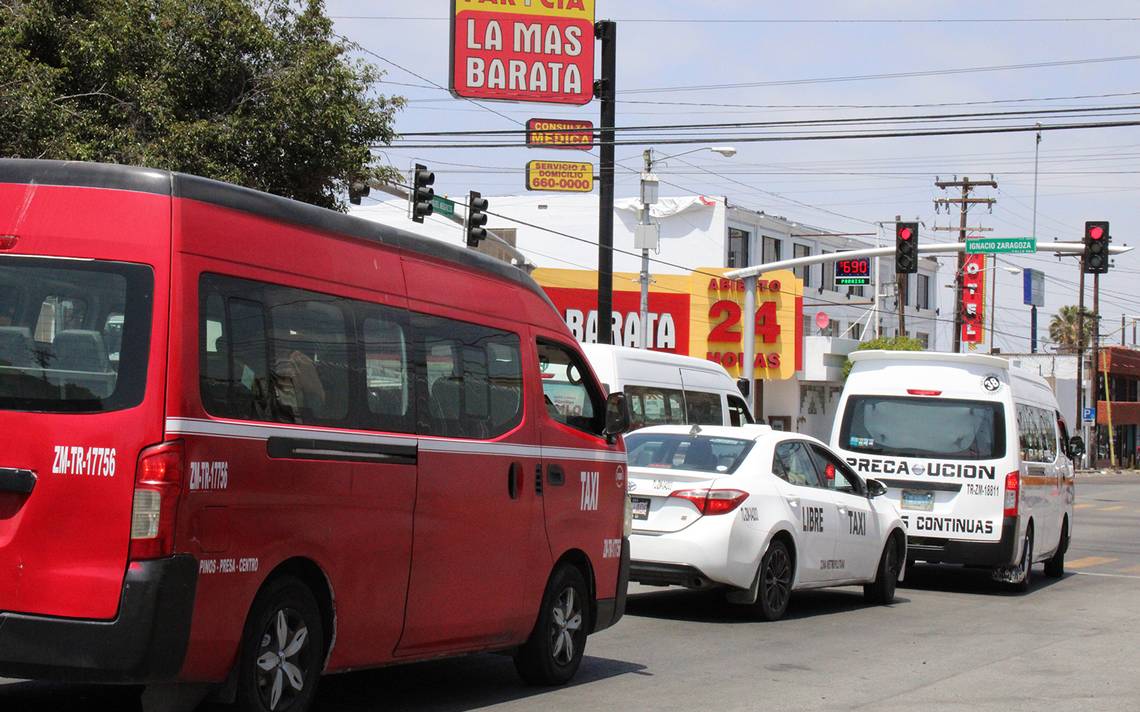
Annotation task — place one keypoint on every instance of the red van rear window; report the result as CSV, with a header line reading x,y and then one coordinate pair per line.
x,y
73,334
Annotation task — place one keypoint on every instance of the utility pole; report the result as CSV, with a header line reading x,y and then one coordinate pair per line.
x,y
965,202
606,90
648,197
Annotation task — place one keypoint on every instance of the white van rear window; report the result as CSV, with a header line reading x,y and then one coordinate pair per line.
x,y
924,427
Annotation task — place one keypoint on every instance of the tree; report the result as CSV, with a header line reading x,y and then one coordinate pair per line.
x,y
261,93
886,343
1064,332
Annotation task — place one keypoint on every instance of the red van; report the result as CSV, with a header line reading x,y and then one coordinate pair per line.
x,y
244,441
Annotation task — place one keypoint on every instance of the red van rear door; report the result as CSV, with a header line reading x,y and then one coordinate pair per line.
x,y
80,389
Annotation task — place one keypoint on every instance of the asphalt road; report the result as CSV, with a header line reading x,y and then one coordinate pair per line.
x,y
953,640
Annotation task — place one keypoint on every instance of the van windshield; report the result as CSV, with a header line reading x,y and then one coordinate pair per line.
x,y
924,427
73,334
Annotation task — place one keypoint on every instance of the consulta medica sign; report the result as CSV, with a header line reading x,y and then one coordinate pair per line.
x,y
698,314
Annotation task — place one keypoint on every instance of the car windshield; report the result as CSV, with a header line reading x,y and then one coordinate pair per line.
x,y
74,334
678,451
924,427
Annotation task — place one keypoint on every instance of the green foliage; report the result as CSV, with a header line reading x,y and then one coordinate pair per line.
x,y
256,92
885,343
1065,332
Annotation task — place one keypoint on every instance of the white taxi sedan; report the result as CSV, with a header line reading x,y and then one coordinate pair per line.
x,y
759,511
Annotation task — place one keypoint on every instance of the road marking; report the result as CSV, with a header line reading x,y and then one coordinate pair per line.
x,y
1083,505
1131,570
1088,561
1113,508
1092,573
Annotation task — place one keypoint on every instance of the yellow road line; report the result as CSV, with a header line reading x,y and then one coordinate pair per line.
x,y
1131,570
1088,561
1113,508
1083,505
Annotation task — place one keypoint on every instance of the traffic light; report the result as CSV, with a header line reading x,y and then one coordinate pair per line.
x,y
422,193
1096,247
357,189
906,248
476,218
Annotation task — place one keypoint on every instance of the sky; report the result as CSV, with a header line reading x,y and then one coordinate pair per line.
x,y
850,185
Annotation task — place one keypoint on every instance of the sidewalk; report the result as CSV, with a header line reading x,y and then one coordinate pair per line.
x,y
1107,472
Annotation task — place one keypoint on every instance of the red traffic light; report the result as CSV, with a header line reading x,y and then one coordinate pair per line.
x,y
904,233
1096,232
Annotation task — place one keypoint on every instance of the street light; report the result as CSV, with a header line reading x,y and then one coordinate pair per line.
x,y
645,236
993,297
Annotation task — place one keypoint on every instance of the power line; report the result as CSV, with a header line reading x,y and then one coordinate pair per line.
x,y
886,75
794,21
774,138
810,122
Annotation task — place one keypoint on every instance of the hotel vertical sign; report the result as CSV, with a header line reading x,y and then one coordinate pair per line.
x,y
523,50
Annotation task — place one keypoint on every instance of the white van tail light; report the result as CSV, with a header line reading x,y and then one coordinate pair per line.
x,y
158,482
712,501
1012,493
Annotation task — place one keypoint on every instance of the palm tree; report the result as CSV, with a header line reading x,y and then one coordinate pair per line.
x,y
1064,332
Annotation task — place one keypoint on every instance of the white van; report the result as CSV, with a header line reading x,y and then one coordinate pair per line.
x,y
664,388
974,453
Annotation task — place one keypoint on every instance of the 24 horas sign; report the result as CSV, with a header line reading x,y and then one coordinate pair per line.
x,y
523,50
699,314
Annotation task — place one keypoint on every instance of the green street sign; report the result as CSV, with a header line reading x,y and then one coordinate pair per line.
x,y
1001,245
443,206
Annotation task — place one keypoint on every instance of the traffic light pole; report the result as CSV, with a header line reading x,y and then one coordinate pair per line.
x,y
605,90
1081,350
1094,367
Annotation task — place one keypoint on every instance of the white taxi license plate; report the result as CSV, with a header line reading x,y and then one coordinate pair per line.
x,y
640,507
922,501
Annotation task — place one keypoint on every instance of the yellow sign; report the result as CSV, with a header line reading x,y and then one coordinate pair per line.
x,y
560,176
699,314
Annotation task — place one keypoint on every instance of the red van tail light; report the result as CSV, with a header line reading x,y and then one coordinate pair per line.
x,y
158,482
1012,493
712,501
923,392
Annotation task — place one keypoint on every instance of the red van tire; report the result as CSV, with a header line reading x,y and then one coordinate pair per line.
x,y
282,649
553,652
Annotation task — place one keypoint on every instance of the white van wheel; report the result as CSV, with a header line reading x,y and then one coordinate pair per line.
x,y
1022,585
1055,566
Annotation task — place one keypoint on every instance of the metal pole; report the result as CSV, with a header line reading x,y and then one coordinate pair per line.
x,y
1081,352
878,281
1036,151
605,90
993,300
747,369
1095,366
1033,329
1122,325
643,328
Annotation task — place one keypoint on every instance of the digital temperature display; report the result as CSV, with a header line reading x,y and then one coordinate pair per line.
x,y
853,272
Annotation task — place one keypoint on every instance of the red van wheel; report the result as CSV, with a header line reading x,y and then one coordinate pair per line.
x,y
553,652
282,650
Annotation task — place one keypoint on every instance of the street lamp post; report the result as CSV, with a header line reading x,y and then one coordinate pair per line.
x,y
646,238
993,295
